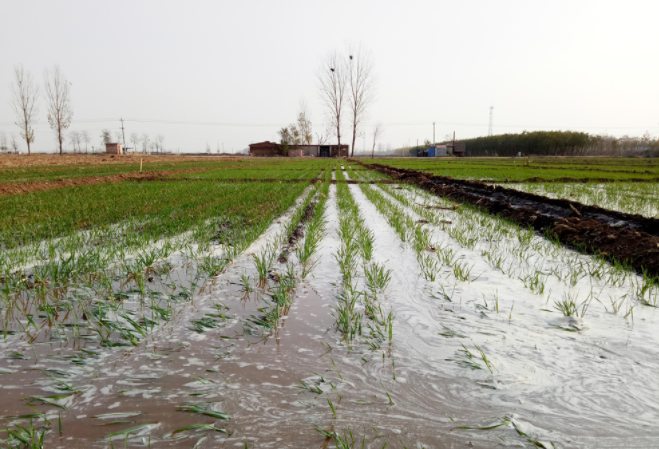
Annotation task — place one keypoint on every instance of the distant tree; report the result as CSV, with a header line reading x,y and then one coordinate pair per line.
x,y
25,93
58,98
160,139
106,136
427,143
285,139
74,137
118,137
145,142
208,148
153,147
332,80
3,141
14,143
377,133
304,123
135,138
85,137
361,82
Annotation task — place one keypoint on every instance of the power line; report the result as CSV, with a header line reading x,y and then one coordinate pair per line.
x,y
411,123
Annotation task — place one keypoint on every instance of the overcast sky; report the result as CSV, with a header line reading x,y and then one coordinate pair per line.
x,y
243,66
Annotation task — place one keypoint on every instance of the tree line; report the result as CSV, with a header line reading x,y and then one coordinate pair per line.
x,y
560,143
25,95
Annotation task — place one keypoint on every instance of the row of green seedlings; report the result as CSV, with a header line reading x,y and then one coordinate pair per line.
x,y
75,310
355,252
100,312
633,197
419,239
356,248
529,258
284,283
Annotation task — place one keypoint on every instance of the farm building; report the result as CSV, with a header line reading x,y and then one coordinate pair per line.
x,y
265,149
273,149
457,150
114,148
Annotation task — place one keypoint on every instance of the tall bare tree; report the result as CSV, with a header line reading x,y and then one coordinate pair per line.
x,y
74,137
85,137
362,83
58,100
160,139
332,81
25,92
14,143
377,133
145,142
135,138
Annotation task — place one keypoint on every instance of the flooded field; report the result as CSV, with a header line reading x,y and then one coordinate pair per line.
x,y
335,306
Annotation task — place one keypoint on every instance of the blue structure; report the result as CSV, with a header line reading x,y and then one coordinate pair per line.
x,y
431,151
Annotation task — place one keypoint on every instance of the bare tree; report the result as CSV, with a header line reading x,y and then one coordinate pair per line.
x,y
377,133
85,137
25,92
14,143
304,123
361,82
160,139
58,99
3,141
145,142
74,137
135,138
332,80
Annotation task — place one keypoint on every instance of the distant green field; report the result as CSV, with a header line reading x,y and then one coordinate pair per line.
x,y
518,169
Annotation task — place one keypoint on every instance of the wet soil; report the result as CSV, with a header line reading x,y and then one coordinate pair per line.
x,y
614,235
298,233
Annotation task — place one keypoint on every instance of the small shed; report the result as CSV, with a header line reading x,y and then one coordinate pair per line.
x,y
114,148
440,150
296,153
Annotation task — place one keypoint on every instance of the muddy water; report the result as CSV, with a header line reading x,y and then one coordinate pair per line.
x,y
592,388
564,387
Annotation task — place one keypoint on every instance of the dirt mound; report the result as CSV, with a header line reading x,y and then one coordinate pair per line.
x,y
34,160
598,235
37,186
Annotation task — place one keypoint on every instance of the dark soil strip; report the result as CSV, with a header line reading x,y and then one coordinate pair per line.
x,y
298,233
614,235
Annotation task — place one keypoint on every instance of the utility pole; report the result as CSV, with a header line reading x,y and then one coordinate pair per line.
x,y
453,143
433,133
489,130
122,132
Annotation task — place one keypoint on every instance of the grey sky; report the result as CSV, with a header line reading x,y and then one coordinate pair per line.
x,y
583,65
